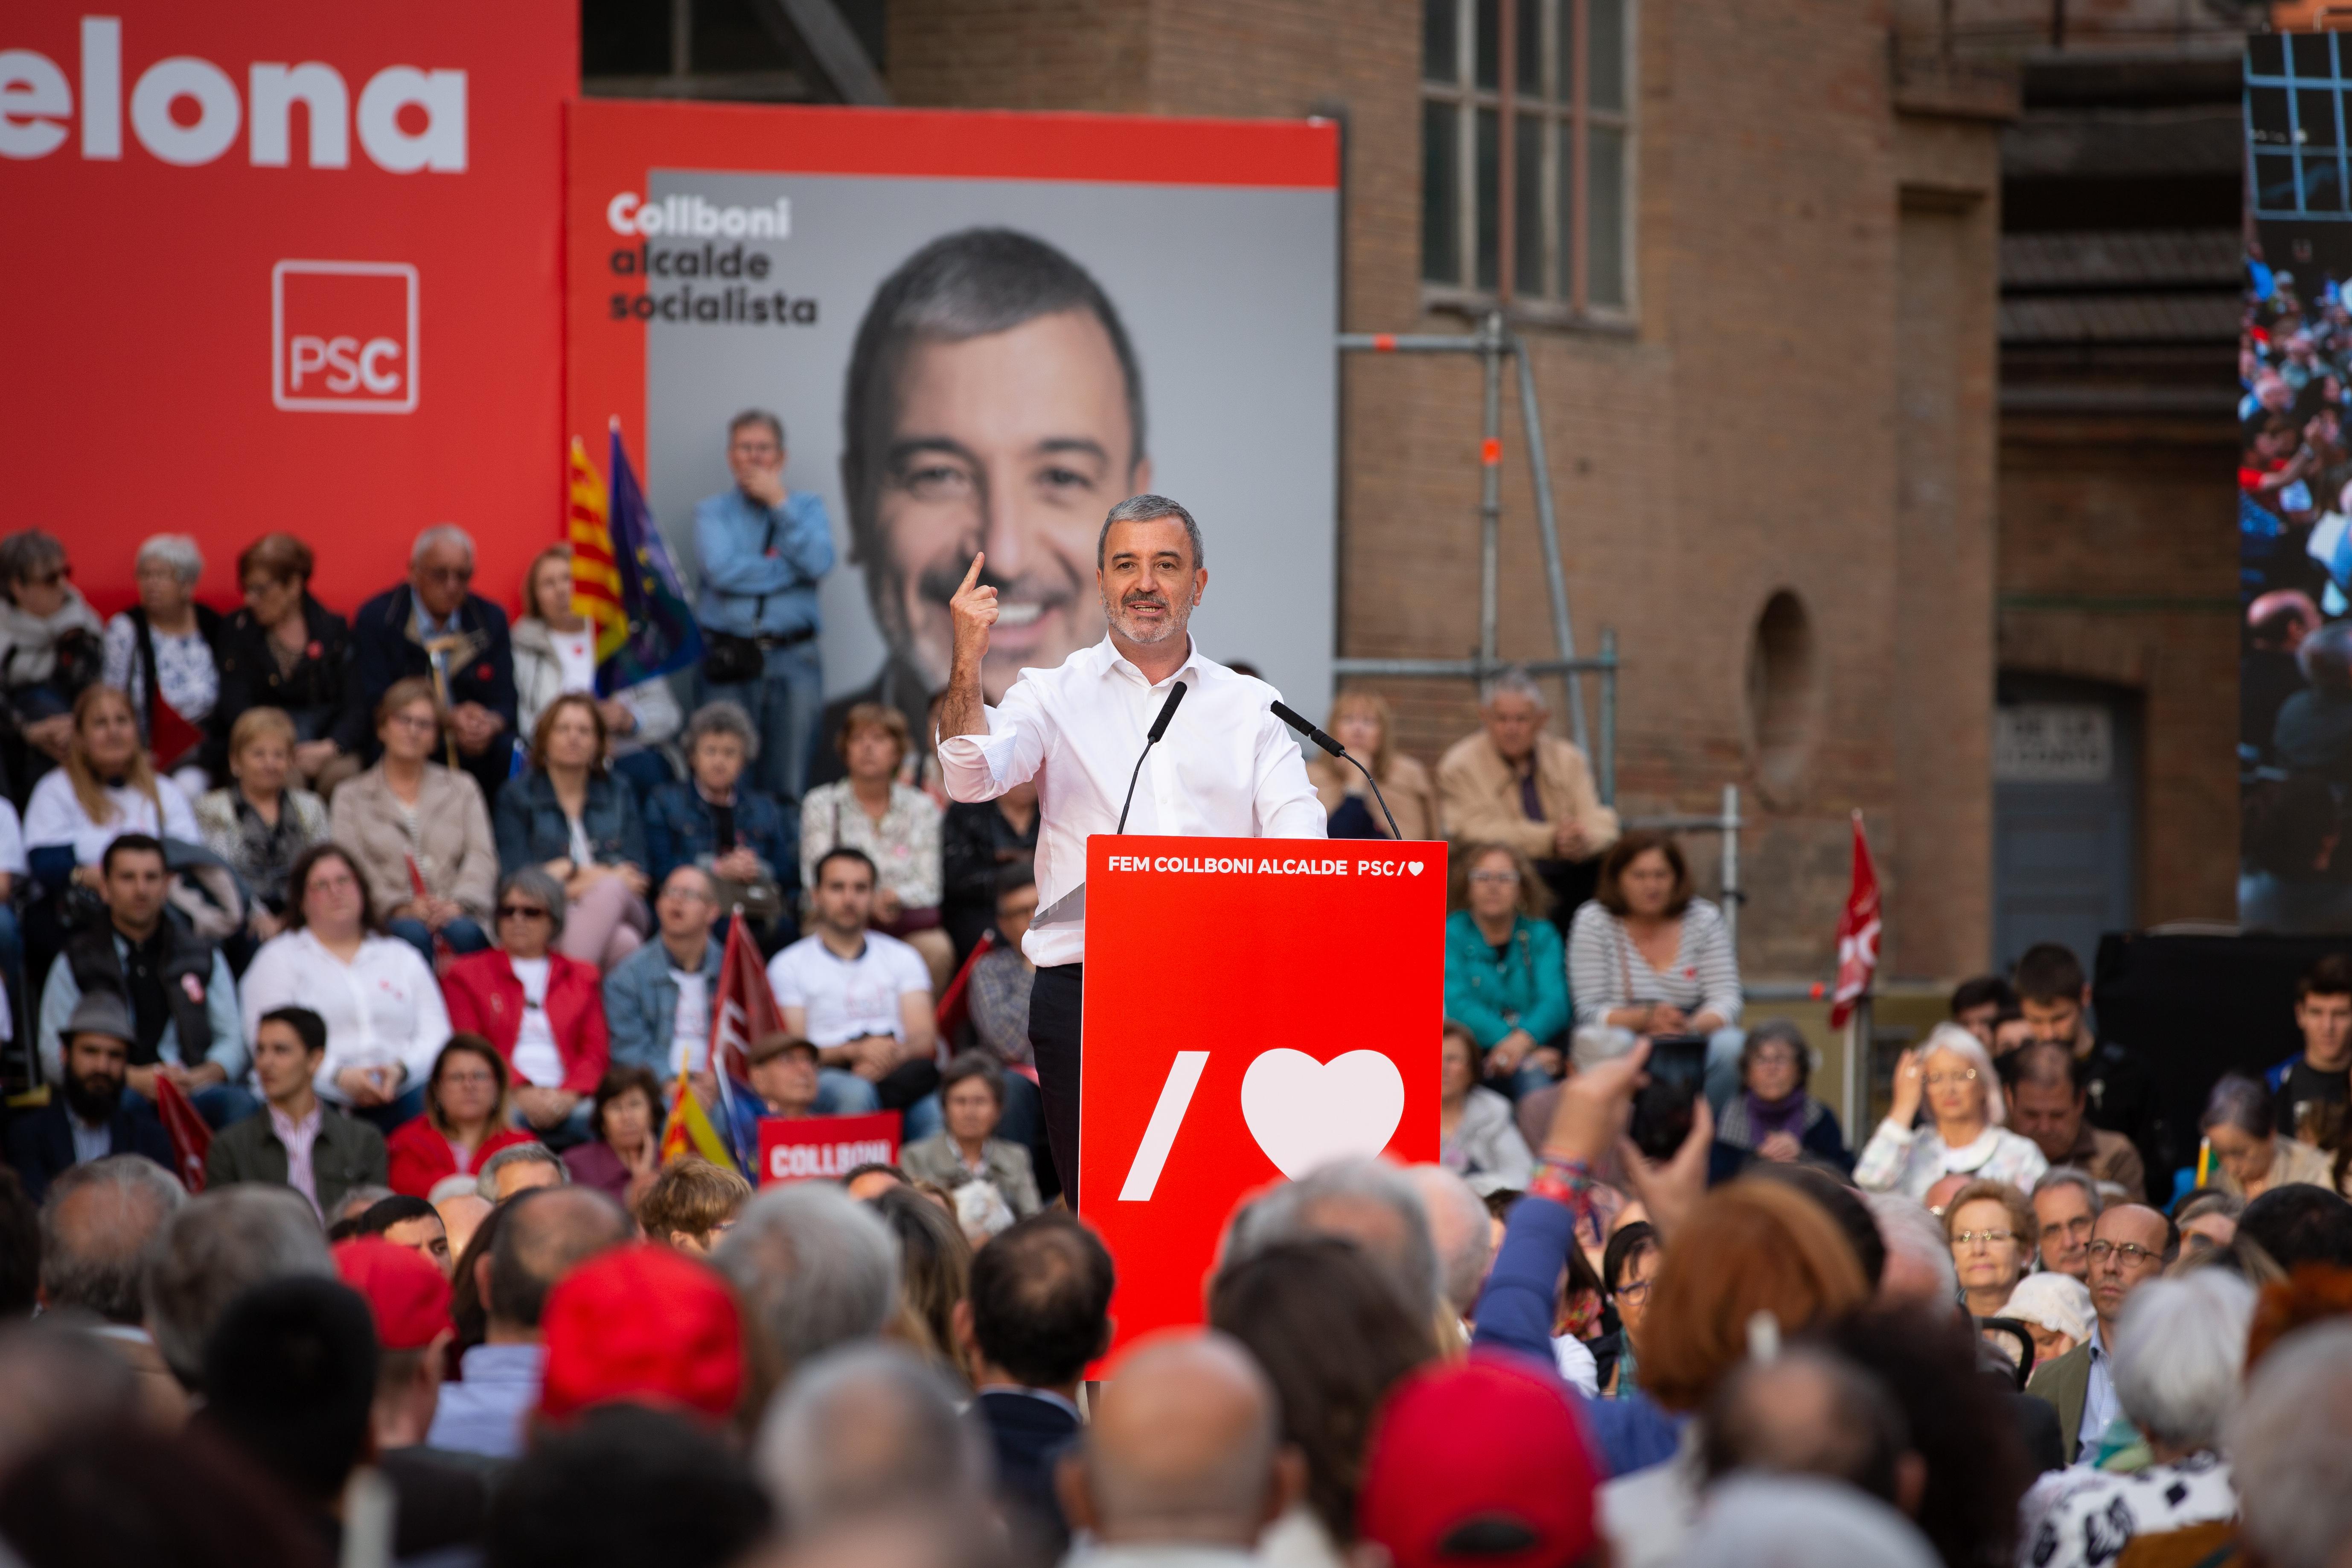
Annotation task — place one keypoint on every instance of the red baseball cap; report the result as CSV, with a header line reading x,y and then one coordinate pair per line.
x,y
1480,1462
405,1294
645,1323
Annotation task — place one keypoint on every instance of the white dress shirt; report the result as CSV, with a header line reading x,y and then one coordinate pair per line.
x,y
1226,768
383,1007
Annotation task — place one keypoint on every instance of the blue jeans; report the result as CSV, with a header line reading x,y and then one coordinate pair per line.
x,y
784,705
840,1092
219,1105
462,935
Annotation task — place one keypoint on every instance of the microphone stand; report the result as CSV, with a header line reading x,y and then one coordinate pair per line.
x,y
1290,717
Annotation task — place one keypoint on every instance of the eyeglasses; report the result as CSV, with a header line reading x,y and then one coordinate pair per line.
x,y
1772,1058
1951,1079
445,574
468,1079
343,884
413,721
1494,876
1636,1291
2127,1251
1990,1237
49,578
522,912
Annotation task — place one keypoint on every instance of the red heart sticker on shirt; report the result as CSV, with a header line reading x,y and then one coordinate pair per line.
x,y
481,672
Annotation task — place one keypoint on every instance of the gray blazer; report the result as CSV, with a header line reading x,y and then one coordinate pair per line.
x,y
934,1159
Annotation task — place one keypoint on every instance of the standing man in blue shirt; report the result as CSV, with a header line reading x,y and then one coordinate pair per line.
x,y
763,549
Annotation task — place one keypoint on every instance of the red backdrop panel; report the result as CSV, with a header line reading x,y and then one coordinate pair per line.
x,y
1294,988
153,379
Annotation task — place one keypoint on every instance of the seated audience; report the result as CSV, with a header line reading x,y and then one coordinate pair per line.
x,y
971,1099
934,1272
1774,1116
979,842
544,1012
623,1153
1979,1002
432,628
2179,1349
419,830
517,1168
895,828
2311,1085
298,1141
784,1075
1360,721
175,985
102,1227
1512,784
2208,1221
50,649
2056,997
2129,1247
542,1238
1964,1133
412,1224
467,1118
160,653
286,650
814,1268
2049,1100
1478,1140
386,1020
2056,1310
555,656
259,823
861,995
90,1117
646,1023
1992,1232
105,789
2250,1155
2066,1205
691,1204
999,982
1646,958
1504,977
222,1244
714,819
571,818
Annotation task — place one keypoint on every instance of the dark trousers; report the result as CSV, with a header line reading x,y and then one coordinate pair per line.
x,y
1057,1003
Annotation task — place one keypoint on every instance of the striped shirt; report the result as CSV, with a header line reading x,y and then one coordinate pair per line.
x,y
1606,970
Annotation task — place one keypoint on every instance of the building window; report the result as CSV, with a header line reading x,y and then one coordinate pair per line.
x,y
2296,121
1534,97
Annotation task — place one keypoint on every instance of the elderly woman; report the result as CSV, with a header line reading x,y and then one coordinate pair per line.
x,y
160,653
1992,1232
386,1020
419,830
1360,721
465,1122
971,1102
2056,1310
569,816
2179,1354
261,823
1477,1139
106,789
286,650
716,819
2251,1155
1773,1116
1645,957
50,643
1965,1135
898,828
622,1154
555,653
1503,976
543,1012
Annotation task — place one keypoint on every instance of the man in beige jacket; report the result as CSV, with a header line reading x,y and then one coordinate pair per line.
x,y
1512,784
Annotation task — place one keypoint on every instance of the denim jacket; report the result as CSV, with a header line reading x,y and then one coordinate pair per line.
x,y
680,831
641,1004
531,829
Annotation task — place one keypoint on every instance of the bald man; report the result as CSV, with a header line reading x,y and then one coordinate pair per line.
x,y
2130,1244
1184,1459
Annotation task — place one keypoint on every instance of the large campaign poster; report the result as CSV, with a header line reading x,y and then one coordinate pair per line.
x,y
275,265
980,331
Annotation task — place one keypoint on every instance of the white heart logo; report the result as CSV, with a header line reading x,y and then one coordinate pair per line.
x,y
1304,1112
1413,867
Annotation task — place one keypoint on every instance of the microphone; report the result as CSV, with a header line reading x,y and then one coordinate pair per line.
x,y
1150,739
1290,716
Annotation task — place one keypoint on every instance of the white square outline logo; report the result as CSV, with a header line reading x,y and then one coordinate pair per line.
x,y
278,394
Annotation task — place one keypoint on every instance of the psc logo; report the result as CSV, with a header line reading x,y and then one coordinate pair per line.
x,y
343,337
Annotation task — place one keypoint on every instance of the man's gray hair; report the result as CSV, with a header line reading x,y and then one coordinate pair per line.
x,y
723,717
758,416
2180,1352
177,550
438,534
862,1430
534,882
2069,1176
96,1259
2290,1447
1515,682
1368,1202
1910,1231
816,1268
486,1184
1150,509
1461,1231
215,1249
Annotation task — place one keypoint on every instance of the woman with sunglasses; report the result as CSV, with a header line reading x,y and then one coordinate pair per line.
x,y
1964,1133
50,645
542,1011
467,1112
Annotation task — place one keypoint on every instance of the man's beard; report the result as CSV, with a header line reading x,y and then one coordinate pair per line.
x,y
94,1098
1178,617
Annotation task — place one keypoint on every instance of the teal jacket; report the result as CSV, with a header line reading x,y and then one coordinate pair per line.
x,y
1527,990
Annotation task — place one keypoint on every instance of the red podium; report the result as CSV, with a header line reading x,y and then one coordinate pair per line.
x,y
1253,1006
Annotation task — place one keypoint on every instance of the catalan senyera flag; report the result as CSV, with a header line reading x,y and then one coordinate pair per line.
x,y
688,1130
622,579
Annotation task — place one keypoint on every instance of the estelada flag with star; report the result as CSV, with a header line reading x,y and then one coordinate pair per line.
x,y
622,579
1857,932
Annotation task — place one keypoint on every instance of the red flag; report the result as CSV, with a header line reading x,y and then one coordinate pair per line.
x,y
1857,932
746,1010
191,1139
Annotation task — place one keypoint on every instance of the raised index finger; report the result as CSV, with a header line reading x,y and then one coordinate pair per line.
x,y
972,575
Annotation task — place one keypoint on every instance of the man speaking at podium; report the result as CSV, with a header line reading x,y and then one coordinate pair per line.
x,y
1224,767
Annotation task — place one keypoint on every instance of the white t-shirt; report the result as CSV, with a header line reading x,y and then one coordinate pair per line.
x,y
575,656
848,997
536,1059
689,1039
53,815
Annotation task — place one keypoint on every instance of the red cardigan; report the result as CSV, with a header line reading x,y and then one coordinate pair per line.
x,y
484,998
420,1156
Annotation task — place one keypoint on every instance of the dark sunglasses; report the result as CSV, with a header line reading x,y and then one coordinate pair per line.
x,y
522,912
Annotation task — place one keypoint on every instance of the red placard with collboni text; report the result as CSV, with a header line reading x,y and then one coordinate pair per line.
x,y
1253,1007
826,1148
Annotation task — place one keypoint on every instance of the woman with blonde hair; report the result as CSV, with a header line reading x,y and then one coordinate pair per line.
x,y
1964,1136
555,654
106,788
261,823
896,825
1993,1233
1361,722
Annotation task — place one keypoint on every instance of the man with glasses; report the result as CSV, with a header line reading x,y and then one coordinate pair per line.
x,y
436,626
2130,1244
2066,1202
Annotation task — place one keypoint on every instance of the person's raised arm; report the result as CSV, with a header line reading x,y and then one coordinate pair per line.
x,y
964,711
984,751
